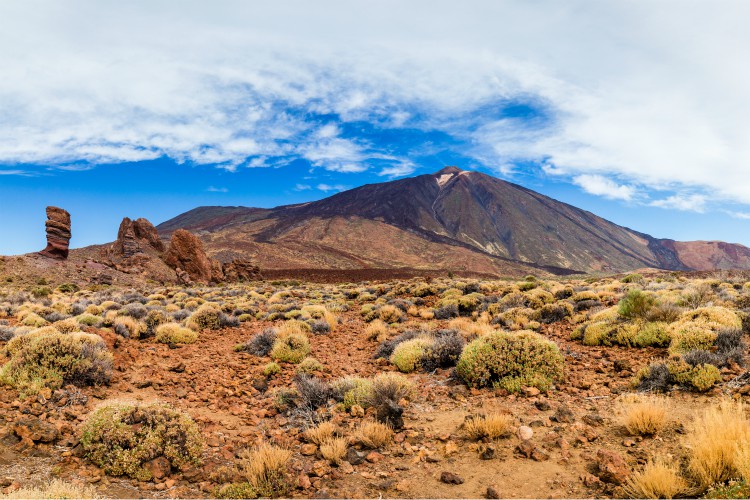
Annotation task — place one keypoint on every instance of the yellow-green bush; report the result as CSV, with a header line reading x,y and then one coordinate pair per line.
x,y
510,361
687,336
54,359
120,438
291,348
407,356
206,317
174,333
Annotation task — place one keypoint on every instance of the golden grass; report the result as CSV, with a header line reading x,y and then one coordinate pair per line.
x,y
377,330
374,434
658,479
646,416
717,439
323,432
334,449
493,426
265,468
55,489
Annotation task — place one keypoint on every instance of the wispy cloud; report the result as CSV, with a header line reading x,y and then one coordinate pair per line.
x,y
213,189
602,186
684,202
302,187
328,187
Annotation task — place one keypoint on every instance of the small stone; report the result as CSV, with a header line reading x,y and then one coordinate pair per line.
x,y
530,392
308,449
542,405
354,457
563,415
493,492
487,452
346,468
374,457
303,482
628,443
451,478
450,448
159,467
357,411
611,467
525,433
593,419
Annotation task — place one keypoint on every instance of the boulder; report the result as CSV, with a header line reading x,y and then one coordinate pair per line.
x,y
611,467
241,270
35,429
134,236
58,233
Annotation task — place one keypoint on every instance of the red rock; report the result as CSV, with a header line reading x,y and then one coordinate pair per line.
x,y
612,468
58,233
159,467
35,429
451,478
374,457
187,254
134,236
493,492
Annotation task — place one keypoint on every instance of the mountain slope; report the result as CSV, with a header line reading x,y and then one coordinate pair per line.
x,y
450,219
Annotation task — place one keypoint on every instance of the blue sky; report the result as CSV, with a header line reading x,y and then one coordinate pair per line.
x,y
142,109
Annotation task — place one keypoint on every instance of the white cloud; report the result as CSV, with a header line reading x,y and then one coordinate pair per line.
x,y
327,187
739,215
212,189
632,92
602,186
302,187
684,202
401,169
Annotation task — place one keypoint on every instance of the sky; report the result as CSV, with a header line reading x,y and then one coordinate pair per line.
x,y
636,110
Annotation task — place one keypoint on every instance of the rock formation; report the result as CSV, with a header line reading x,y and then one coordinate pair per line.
x,y
188,258
58,233
134,236
186,253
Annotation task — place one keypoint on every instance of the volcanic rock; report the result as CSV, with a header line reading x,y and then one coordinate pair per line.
x,y
241,270
186,252
58,233
134,236
611,467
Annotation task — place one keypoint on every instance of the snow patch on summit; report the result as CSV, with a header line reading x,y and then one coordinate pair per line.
x,y
443,179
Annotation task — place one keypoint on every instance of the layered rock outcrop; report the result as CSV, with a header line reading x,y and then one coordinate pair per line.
x,y
58,233
134,236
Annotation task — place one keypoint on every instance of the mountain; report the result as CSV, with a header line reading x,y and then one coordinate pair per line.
x,y
452,219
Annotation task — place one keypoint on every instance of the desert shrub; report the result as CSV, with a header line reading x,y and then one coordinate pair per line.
x,y
664,312
632,278
174,333
313,392
690,336
700,377
652,333
265,468
68,325
228,321
731,346
407,356
492,426
134,310
659,478
550,313
469,303
271,368
206,317
373,434
377,330
352,391
261,343
120,438
447,311
320,433
713,440
54,359
68,288
390,314
320,327
644,416
41,292
510,361
386,348
334,449
444,350
292,348
389,386
33,319
129,327
56,489
714,316
88,319
309,365
635,304
154,318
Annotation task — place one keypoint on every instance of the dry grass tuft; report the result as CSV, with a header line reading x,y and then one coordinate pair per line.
x,y
493,426
265,469
374,434
377,330
334,449
658,479
646,416
717,439
323,432
55,489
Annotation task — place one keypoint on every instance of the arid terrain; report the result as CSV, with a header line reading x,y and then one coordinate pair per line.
x,y
423,387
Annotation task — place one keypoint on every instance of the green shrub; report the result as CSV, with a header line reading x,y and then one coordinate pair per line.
x,y
33,319
407,356
55,359
310,365
174,333
687,337
206,317
700,378
633,278
41,291
636,304
352,391
510,361
120,438
291,348
68,288
271,368
88,319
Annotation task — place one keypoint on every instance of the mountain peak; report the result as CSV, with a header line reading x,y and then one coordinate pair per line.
x,y
448,170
